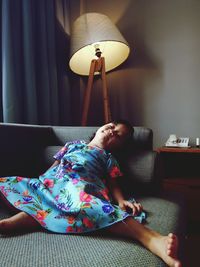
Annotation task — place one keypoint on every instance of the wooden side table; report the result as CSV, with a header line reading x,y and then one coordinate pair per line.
x,y
182,174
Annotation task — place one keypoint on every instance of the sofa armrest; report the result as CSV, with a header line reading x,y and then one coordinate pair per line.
x,y
21,147
143,173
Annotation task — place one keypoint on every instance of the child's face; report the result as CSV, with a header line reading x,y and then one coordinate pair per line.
x,y
112,135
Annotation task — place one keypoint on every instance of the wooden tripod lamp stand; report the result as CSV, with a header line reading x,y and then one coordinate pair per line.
x,y
97,65
93,35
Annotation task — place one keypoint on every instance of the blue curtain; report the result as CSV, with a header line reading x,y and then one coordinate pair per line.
x,y
34,47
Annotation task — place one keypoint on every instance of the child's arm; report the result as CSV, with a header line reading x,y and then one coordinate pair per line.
x,y
134,208
56,162
115,190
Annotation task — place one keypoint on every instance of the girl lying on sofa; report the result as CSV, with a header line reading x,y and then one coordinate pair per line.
x,y
76,194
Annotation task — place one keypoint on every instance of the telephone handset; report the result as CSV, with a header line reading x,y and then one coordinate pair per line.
x,y
174,141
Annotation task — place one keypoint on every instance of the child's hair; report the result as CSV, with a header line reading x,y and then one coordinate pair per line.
x,y
123,122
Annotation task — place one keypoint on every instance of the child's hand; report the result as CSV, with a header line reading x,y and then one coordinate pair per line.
x,y
134,208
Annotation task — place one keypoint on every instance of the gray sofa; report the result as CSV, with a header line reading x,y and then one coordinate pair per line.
x,y
27,150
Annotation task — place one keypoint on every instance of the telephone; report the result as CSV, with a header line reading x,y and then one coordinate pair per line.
x,y
173,141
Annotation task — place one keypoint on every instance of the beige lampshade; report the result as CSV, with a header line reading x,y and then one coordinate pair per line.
x,y
93,30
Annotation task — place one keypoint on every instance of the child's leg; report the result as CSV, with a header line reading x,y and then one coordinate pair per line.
x,y
163,246
5,203
19,222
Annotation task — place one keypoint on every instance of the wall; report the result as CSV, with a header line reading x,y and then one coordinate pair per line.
x,y
158,85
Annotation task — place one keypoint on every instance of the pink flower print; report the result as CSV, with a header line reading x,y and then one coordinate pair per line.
x,y
87,223
3,191
75,181
41,215
69,229
105,192
49,183
17,203
115,172
85,197
71,219
19,178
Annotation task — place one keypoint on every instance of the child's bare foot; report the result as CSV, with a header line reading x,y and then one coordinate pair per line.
x,y
166,247
19,222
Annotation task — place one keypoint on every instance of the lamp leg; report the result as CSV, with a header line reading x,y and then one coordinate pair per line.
x,y
87,95
107,113
96,65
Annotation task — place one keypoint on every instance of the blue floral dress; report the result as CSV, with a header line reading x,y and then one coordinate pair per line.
x,y
71,197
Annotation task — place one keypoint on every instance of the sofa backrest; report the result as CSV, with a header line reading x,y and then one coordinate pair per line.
x,y
27,150
142,139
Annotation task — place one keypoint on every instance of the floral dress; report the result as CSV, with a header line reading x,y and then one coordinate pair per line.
x,y
71,197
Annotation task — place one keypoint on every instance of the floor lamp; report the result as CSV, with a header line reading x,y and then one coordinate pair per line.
x,y
97,47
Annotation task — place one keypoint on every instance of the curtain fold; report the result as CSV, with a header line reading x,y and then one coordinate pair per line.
x,y
35,86
1,108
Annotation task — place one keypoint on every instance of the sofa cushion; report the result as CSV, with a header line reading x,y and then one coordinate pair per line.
x,y
97,250
48,154
56,250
